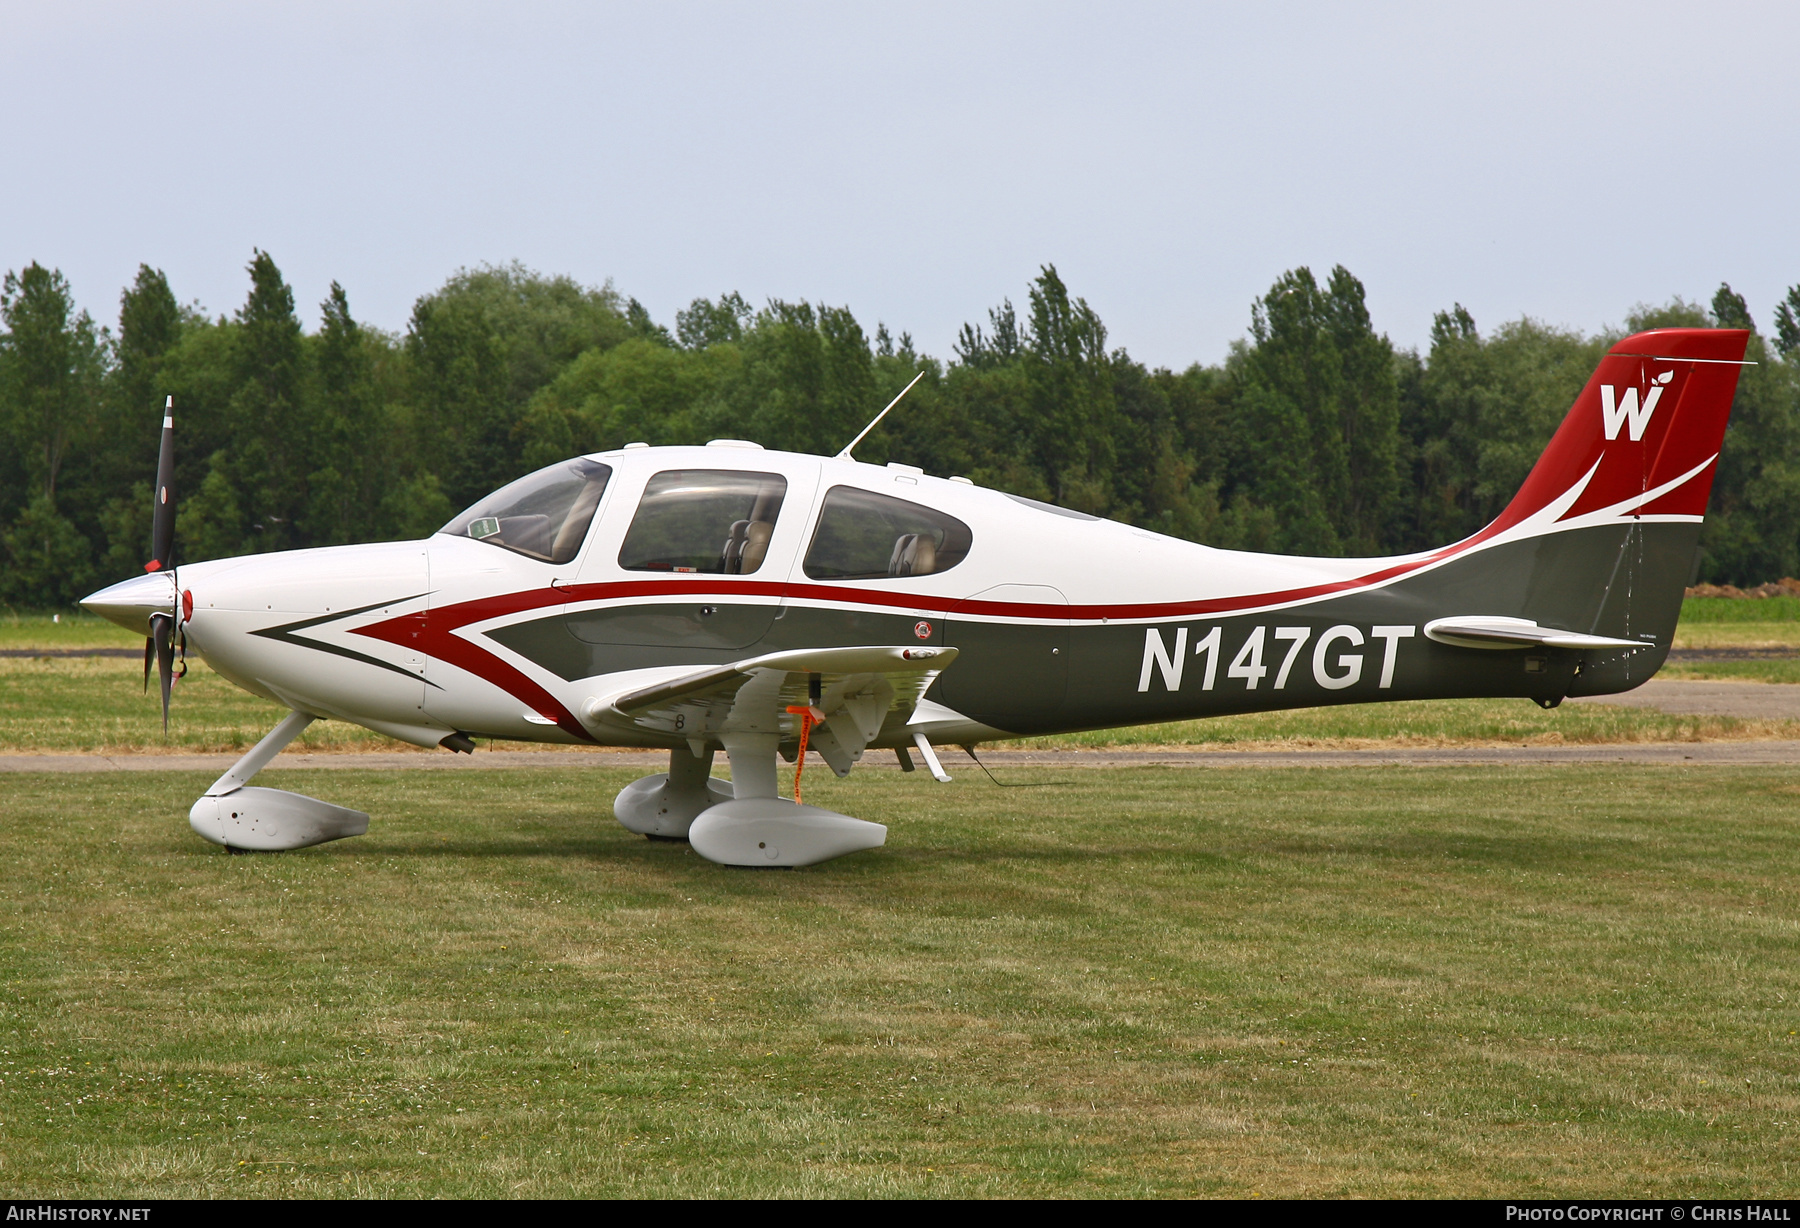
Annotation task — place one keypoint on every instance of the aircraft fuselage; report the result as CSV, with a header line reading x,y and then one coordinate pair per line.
x,y
1064,622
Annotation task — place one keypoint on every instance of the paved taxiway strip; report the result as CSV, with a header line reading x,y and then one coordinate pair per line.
x,y
1688,697
1677,696
1696,754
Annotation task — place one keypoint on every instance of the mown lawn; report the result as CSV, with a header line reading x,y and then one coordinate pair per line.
x,y
1392,981
1702,610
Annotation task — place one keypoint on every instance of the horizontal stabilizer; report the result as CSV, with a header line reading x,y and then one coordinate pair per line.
x,y
1494,632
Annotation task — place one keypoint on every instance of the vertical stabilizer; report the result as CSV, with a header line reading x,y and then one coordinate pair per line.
x,y
1600,539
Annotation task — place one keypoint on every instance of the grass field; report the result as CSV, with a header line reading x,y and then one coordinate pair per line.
x,y
1736,610
1137,982
1514,981
68,630
61,705
1738,635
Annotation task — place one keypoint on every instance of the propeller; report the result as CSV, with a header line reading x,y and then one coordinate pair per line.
x,y
165,628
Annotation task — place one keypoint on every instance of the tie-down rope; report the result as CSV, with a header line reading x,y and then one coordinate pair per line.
x,y
809,716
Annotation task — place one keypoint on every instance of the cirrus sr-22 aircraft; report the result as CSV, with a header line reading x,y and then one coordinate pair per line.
x,y
699,599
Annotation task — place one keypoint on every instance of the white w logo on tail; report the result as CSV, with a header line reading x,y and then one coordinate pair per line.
x,y
1616,412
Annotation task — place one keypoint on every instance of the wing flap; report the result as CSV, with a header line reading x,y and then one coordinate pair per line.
x,y
858,687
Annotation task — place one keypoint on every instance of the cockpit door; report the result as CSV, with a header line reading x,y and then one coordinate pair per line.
x,y
694,574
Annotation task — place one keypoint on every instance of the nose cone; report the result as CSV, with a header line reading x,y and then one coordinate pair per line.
x,y
130,603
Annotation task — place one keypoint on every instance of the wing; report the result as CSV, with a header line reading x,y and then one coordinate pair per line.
x,y
1494,632
856,689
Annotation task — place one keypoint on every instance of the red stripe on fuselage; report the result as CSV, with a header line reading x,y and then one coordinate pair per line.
x,y
928,603
432,632
457,616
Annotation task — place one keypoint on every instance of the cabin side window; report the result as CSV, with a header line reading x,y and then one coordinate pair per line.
x,y
714,521
866,536
544,515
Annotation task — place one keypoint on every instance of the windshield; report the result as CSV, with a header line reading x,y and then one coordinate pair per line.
x,y
544,515
708,520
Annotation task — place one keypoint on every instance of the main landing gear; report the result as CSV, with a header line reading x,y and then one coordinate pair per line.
x,y
742,822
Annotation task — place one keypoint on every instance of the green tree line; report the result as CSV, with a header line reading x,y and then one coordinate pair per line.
x,y
1315,435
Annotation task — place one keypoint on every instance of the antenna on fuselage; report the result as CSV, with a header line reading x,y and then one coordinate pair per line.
x,y
845,454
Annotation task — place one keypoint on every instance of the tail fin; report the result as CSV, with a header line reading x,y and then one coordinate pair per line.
x,y
1601,538
1643,438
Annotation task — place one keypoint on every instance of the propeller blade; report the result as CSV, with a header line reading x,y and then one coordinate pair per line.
x,y
162,527
162,627
161,643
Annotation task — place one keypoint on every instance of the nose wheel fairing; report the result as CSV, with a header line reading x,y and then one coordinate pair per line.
x,y
273,820
269,820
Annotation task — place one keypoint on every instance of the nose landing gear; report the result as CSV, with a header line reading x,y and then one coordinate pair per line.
x,y
269,820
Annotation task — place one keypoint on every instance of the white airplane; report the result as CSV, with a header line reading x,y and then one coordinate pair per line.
x,y
766,604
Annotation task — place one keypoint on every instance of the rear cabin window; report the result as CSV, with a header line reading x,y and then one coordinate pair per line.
x,y
544,515
715,521
866,536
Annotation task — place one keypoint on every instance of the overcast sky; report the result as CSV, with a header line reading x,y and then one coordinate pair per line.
x,y
917,162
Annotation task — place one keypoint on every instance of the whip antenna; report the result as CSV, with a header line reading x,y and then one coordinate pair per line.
x,y
845,454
